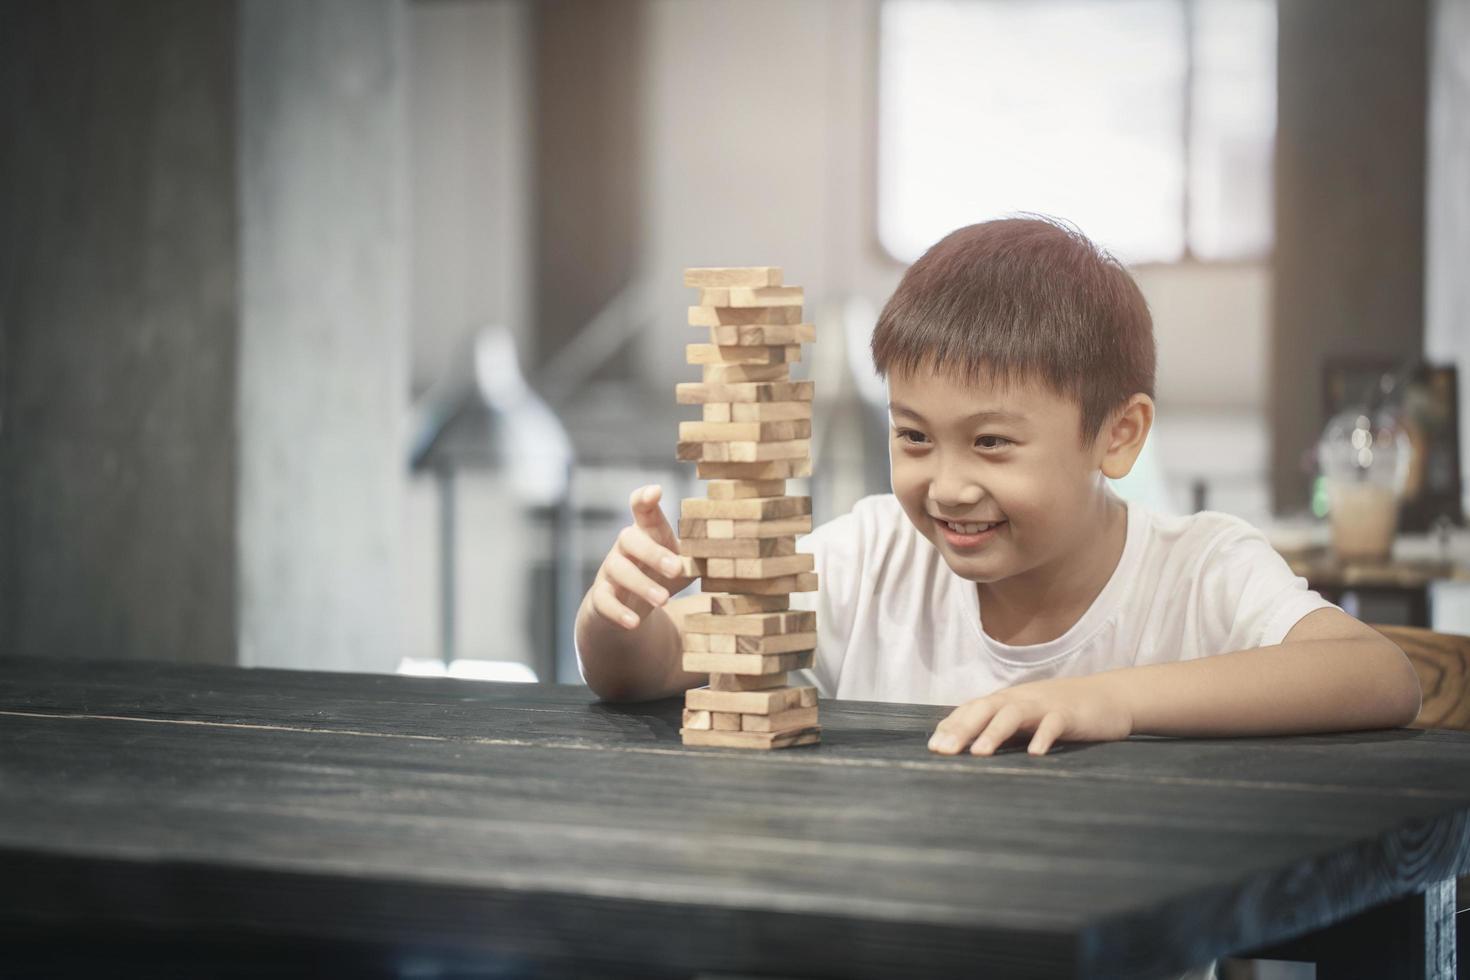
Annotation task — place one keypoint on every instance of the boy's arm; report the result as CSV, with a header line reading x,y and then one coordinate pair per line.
x,y
1330,673
628,630
642,664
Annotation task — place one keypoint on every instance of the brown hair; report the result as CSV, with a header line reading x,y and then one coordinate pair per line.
x,y
1022,298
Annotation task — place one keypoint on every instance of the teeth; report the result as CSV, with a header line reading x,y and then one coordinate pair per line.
x,y
968,528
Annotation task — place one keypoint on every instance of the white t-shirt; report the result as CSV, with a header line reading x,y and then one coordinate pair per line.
x,y
895,623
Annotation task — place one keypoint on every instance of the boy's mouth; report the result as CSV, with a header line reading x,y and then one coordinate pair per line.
x,y
968,535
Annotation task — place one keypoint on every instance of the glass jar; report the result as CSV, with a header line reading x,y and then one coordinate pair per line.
x,y
1364,455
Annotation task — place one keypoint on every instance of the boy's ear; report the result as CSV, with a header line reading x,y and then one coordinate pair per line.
x,y
1122,440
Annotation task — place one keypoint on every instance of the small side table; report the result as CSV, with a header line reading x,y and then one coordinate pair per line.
x,y
1395,591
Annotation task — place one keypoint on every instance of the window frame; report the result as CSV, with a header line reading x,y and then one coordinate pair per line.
x,y
1188,258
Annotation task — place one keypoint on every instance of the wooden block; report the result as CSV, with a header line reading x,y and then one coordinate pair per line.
x,y
697,392
760,452
749,509
789,720
725,316
745,452
692,567
745,489
718,643
758,412
762,334
736,373
749,702
751,296
761,646
697,718
773,469
753,624
750,276
759,568
803,582
738,547
745,432
696,642
727,721
710,354
751,740
746,663
736,605
747,682
699,527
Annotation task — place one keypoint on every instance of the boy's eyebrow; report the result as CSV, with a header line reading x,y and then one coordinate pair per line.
x,y
987,416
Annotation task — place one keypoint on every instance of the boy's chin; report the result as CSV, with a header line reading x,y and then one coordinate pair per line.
x,y
984,568
975,571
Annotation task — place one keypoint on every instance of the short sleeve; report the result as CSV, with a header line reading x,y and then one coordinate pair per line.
x,y
837,550
1251,595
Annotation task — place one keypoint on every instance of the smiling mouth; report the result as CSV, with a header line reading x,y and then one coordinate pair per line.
x,y
973,528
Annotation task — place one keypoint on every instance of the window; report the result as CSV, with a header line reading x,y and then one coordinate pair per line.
x,y
1148,123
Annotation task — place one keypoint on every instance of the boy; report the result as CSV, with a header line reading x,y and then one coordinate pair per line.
x,y
1002,575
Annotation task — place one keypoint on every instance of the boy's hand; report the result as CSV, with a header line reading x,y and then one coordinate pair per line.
x,y
1076,709
642,569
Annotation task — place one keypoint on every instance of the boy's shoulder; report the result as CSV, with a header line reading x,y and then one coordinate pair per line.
x,y
874,518
1207,543
1205,529
876,526
880,516
874,531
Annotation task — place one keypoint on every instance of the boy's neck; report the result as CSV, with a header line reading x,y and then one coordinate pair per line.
x,y
1041,604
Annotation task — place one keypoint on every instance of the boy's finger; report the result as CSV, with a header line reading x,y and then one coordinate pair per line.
x,y
605,601
1050,729
963,724
638,544
646,512
628,575
1007,722
643,502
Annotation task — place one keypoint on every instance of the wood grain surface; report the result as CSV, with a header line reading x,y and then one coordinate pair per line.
x,y
537,823
1442,663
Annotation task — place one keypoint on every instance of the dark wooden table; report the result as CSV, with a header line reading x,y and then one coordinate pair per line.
x,y
258,819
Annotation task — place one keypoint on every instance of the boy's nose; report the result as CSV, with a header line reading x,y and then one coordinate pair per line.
x,y
954,494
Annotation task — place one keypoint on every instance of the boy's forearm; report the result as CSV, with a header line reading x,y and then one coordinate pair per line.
x,y
1293,688
626,665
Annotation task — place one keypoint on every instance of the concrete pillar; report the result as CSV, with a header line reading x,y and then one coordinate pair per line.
x,y
323,331
118,324
588,68
203,268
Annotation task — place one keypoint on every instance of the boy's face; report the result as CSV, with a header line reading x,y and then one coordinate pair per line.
x,y
1007,456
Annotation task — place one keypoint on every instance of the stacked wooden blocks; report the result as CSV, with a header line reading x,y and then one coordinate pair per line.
x,y
741,539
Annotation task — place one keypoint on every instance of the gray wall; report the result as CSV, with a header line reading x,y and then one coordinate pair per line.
x,y
117,330
1350,162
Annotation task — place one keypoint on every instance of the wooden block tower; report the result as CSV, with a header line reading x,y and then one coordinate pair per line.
x,y
741,539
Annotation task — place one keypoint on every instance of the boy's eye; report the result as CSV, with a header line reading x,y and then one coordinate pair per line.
x,y
914,438
910,436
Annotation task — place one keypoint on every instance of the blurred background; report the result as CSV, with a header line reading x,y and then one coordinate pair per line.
x,y
335,334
